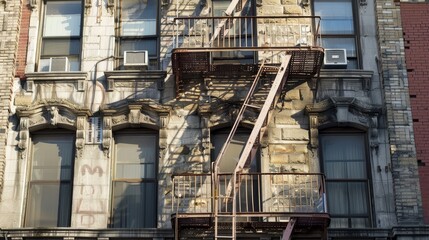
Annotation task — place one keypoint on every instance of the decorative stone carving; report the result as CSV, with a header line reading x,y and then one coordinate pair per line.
x,y
54,115
23,137
314,131
107,134
353,111
48,113
80,135
135,114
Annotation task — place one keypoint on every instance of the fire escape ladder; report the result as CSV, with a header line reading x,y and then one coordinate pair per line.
x,y
287,233
234,183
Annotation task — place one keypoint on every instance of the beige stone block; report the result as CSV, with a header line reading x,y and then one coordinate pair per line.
x,y
285,105
293,95
267,10
297,158
293,9
272,2
279,149
274,134
295,134
295,168
289,2
22,100
279,158
301,148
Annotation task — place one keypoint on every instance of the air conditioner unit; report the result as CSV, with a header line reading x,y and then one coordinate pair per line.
x,y
136,58
335,58
58,64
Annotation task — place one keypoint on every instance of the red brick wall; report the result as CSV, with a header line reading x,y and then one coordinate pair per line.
x,y
415,22
23,40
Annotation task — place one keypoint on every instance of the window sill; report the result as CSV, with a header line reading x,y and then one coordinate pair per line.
x,y
130,76
76,77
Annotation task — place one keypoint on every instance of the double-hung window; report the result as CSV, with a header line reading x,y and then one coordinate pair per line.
x,y
138,29
61,36
345,165
250,191
51,180
135,180
338,27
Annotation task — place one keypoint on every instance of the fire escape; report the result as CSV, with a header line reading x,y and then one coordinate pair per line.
x,y
233,203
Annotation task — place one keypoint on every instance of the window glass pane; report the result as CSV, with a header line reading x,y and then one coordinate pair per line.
x,y
345,166
360,222
339,223
60,47
344,156
134,205
74,64
337,16
57,165
135,156
344,43
232,153
127,170
337,198
149,45
62,18
45,208
139,17
358,197
49,194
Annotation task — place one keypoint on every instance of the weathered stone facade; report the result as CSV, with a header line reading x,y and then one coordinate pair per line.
x,y
9,32
373,99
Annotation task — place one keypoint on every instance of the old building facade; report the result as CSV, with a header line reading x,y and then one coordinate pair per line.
x,y
114,112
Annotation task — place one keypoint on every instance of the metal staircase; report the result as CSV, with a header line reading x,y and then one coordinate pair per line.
x,y
192,62
234,183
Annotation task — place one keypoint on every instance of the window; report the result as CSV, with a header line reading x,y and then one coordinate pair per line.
x,y
138,29
234,151
61,36
239,32
50,182
338,27
135,180
250,191
345,166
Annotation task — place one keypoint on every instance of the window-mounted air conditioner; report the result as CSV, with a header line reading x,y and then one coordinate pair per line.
x,y
58,64
335,58
136,58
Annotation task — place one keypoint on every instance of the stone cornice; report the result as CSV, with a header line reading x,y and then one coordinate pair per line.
x,y
343,101
25,111
56,76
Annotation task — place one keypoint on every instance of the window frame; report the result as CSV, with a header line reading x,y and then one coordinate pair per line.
x,y
154,180
355,35
42,38
231,56
30,182
154,60
348,131
225,131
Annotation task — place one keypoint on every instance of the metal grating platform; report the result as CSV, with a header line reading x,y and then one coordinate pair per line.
x,y
305,65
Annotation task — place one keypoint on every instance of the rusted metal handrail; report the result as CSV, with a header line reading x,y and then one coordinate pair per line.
x,y
242,32
258,193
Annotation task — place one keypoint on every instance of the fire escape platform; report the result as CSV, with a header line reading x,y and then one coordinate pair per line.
x,y
286,196
305,64
307,224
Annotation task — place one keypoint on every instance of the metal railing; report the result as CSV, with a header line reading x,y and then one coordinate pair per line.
x,y
258,193
246,32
